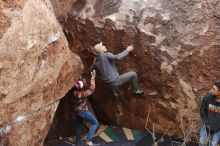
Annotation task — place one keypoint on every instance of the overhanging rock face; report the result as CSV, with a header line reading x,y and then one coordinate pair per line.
x,y
176,56
36,70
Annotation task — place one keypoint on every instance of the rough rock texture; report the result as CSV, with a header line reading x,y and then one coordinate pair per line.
x,y
36,70
176,56
61,9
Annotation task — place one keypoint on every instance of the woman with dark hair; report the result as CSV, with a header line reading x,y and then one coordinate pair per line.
x,y
81,108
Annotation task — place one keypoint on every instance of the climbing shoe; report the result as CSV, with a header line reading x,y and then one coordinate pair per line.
x,y
116,96
89,143
138,91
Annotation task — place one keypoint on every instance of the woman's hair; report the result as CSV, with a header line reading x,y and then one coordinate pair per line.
x,y
217,84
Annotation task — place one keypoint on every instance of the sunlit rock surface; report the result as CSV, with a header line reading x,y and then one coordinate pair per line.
x,y
176,57
36,70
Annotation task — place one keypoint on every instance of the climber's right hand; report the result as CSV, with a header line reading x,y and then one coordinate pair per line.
x,y
93,74
129,48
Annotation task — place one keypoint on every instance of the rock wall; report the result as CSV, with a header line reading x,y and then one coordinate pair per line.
x,y
176,57
36,70
62,8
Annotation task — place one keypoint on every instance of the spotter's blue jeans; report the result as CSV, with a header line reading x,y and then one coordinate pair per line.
x,y
204,135
87,116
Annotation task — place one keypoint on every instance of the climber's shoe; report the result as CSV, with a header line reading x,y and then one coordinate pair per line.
x,y
89,143
116,96
138,91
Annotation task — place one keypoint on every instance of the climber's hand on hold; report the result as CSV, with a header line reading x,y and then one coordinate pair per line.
x,y
129,48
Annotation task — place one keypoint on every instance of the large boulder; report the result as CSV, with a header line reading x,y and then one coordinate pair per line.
x,y
61,9
176,57
36,70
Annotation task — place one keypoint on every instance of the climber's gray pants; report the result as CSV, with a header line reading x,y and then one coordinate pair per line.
x,y
124,78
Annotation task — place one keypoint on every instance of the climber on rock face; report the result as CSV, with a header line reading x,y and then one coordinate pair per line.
x,y
210,113
104,63
81,108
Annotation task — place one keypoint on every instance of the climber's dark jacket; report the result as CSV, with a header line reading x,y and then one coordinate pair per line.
x,y
210,112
